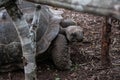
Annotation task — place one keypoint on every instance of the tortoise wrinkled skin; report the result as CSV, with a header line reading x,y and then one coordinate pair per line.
x,y
49,40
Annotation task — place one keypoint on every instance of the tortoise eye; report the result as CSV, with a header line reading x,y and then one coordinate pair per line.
x,y
73,35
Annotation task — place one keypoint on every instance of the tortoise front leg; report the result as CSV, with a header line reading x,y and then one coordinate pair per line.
x,y
60,54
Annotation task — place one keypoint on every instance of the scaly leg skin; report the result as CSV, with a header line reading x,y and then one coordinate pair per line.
x,y
60,55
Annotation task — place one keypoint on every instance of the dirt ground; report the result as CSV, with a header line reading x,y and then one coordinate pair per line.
x,y
85,55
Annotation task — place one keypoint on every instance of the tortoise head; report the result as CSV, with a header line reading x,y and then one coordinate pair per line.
x,y
74,33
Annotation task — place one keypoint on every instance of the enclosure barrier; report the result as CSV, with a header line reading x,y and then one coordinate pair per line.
x,y
109,8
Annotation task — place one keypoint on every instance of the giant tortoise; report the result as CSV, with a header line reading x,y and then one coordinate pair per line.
x,y
52,39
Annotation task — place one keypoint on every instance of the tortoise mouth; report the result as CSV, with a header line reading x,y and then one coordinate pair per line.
x,y
76,40
73,39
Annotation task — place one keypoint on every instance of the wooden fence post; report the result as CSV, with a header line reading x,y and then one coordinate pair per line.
x,y
105,43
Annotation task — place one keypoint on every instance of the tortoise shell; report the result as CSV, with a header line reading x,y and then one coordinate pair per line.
x,y
47,30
